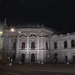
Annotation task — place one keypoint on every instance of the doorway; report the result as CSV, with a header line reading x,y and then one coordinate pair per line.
x,y
23,58
32,57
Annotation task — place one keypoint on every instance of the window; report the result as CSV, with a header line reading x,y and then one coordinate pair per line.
x,y
46,46
23,45
32,45
72,43
55,45
65,44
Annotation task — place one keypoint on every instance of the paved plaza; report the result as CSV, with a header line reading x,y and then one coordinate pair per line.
x,y
37,69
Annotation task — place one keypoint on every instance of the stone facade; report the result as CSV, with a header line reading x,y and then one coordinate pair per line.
x,y
37,43
33,53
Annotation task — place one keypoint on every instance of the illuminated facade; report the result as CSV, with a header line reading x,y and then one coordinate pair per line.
x,y
37,43
2,26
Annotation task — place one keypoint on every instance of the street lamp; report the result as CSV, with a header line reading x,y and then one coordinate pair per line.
x,y
16,32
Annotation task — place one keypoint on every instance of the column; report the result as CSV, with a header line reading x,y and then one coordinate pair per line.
x,y
27,44
17,46
27,54
69,43
38,48
52,45
69,56
58,44
37,44
9,45
42,43
62,44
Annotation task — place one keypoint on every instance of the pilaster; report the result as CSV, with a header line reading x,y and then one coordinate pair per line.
x,y
9,45
27,44
69,43
17,46
38,48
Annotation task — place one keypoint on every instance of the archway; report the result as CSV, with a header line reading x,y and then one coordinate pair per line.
x,y
55,58
55,55
23,58
32,57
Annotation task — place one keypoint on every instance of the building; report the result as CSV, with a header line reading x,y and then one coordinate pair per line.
x,y
35,43
2,26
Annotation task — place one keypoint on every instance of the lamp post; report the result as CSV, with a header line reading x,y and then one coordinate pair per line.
x,y
16,32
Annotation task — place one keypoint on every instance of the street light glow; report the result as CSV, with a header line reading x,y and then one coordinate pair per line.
x,y
19,31
16,32
12,30
1,32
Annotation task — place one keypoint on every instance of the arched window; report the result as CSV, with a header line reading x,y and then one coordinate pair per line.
x,y
65,44
14,45
46,46
72,43
23,45
55,45
32,45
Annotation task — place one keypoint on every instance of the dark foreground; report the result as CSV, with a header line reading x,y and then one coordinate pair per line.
x,y
37,69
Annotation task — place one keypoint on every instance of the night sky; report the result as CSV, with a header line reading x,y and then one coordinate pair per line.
x,y
56,14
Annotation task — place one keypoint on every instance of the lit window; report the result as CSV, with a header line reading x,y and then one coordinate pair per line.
x,y
32,45
23,45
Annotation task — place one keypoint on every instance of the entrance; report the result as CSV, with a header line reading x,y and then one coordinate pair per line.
x,y
55,58
32,57
56,55
23,58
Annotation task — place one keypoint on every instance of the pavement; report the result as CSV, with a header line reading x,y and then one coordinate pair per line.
x,y
62,68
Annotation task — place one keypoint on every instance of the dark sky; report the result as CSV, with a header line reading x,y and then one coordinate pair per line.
x,y
56,14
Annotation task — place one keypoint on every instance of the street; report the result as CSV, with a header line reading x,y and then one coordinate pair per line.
x,y
37,69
